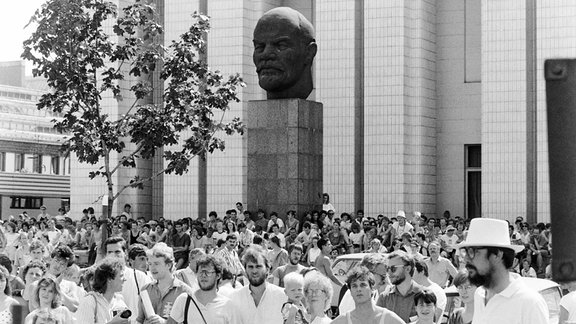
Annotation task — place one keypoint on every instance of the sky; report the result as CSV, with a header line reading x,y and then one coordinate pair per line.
x,y
13,17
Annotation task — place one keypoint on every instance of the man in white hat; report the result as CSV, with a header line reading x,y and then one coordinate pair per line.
x,y
402,226
501,297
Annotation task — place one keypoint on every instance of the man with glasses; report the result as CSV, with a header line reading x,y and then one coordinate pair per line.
x,y
500,297
400,297
205,305
376,264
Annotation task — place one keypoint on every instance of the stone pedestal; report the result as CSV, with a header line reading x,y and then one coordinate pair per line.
x,y
284,156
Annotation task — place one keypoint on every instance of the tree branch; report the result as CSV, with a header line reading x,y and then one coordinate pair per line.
x,y
136,183
119,164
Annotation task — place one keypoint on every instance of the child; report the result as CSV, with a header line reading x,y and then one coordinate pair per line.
x,y
527,270
293,310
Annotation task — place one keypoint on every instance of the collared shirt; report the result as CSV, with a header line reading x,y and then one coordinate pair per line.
x,y
187,276
439,271
516,304
268,311
161,301
215,312
95,309
402,305
231,260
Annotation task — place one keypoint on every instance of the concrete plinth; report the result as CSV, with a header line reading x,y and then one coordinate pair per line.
x,y
284,155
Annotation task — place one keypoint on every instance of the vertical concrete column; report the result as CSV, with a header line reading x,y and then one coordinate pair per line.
x,y
284,155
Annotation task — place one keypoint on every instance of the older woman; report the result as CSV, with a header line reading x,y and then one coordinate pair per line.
x,y
318,292
361,282
48,296
466,291
102,305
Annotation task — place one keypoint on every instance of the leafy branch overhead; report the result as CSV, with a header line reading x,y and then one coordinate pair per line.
x,y
85,61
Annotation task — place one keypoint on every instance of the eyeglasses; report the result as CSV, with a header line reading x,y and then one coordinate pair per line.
x,y
206,273
395,267
314,291
467,287
383,275
470,252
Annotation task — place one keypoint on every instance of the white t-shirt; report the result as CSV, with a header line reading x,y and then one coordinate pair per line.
x,y
401,229
450,241
569,304
217,311
134,281
94,304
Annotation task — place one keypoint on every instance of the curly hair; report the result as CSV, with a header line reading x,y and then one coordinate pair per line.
x,y
107,270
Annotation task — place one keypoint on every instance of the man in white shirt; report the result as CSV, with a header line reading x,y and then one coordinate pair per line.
x,y
259,302
205,305
439,268
134,279
274,220
188,274
402,226
500,297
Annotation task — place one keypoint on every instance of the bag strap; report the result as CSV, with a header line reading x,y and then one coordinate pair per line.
x,y
187,307
137,285
95,309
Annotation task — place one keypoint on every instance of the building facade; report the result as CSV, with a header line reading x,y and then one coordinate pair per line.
x,y
428,105
33,170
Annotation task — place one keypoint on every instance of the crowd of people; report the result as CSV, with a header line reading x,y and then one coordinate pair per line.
x,y
244,267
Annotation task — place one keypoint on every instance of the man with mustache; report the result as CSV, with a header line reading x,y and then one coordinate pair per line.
x,y
284,48
259,302
500,297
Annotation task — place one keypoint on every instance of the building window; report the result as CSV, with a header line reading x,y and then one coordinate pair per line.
x,y
26,202
19,162
37,163
2,161
473,181
55,165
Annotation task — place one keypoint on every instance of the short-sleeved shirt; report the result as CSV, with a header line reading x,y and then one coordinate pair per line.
x,y
161,301
217,311
95,309
402,305
440,271
181,241
516,304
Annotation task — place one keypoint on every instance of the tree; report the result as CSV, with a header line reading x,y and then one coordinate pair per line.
x,y
84,62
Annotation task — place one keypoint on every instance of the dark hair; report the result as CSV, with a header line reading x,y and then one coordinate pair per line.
x,y
421,235
425,296
136,250
257,239
7,289
507,255
116,239
321,243
421,266
210,259
307,225
273,214
108,269
360,273
213,213
6,262
275,240
295,246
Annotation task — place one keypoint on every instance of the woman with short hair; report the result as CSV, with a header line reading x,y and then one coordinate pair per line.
x,y
318,292
466,290
425,302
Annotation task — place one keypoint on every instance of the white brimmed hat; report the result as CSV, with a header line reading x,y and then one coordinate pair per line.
x,y
489,232
401,213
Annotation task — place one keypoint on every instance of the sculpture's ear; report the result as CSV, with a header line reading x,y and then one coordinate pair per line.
x,y
311,50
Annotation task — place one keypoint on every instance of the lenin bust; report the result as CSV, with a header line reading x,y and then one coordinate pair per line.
x,y
284,48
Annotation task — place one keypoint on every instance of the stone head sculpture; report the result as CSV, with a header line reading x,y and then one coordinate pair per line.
x,y
284,48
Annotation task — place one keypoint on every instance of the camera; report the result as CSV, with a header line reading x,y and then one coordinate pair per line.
x,y
124,314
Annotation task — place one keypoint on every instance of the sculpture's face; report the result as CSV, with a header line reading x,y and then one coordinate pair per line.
x,y
280,53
